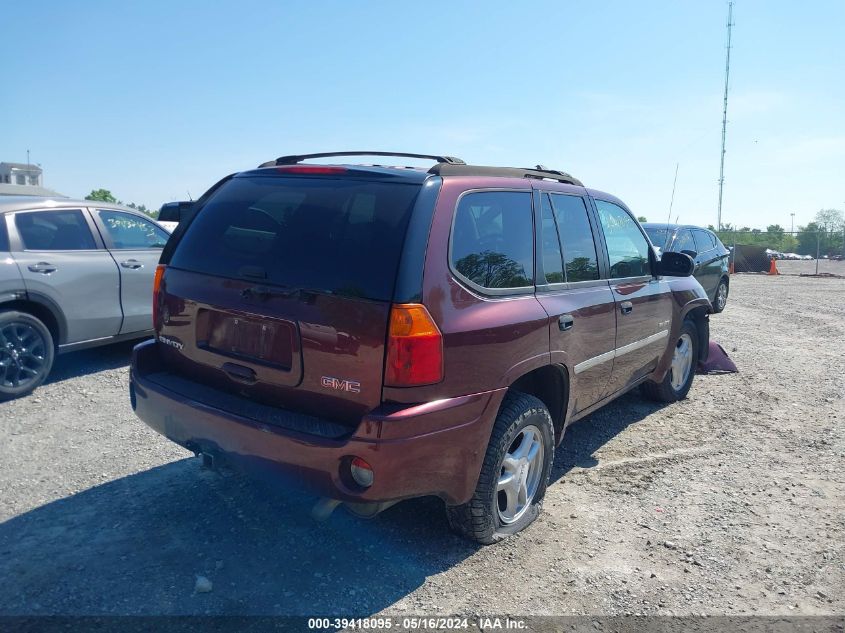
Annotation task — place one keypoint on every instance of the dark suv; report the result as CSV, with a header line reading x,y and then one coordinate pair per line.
x,y
709,255
379,333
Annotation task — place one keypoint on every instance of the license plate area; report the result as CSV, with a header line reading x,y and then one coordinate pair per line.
x,y
264,340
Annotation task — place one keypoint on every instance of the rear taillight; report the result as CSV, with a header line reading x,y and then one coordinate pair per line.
x,y
414,347
156,295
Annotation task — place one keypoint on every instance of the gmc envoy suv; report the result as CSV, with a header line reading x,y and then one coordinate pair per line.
x,y
377,333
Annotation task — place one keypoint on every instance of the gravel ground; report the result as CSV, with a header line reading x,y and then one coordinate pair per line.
x,y
799,267
731,502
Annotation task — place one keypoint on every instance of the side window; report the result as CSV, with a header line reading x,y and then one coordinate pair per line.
x,y
576,236
627,248
552,258
128,231
64,230
684,242
493,239
705,241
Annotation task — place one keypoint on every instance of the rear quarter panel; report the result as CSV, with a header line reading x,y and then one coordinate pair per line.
x,y
11,283
488,341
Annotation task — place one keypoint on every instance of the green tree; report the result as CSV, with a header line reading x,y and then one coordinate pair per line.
x,y
788,244
104,195
642,218
830,219
101,195
807,238
142,208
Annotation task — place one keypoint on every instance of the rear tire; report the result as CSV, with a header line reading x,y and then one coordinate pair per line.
x,y
514,476
721,299
26,353
678,380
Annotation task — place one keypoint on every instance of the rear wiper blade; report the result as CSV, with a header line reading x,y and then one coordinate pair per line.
x,y
263,293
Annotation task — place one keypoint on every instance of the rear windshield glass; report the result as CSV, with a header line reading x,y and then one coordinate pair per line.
x,y
168,213
338,236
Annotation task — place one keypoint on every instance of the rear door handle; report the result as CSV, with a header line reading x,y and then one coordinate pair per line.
x,y
134,264
45,268
625,307
565,322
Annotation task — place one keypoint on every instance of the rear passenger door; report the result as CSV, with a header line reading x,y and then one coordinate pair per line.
x,y
135,244
580,304
61,259
643,301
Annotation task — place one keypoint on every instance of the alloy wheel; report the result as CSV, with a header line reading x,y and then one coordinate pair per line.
x,y
681,362
23,353
722,296
520,473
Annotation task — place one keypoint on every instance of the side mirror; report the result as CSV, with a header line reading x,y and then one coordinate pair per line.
x,y
692,254
675,265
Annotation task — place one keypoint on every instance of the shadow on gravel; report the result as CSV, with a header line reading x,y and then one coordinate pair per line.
x,y
91,361
586,436
136,544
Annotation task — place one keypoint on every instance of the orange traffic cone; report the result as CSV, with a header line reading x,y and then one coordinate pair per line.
x,y
773,269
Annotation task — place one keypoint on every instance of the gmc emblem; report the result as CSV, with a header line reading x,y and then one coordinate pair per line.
x,y
341,385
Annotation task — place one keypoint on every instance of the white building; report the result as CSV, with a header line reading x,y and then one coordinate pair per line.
x,y
19,179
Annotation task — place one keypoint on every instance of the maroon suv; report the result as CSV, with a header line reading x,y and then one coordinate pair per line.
x,y
379,333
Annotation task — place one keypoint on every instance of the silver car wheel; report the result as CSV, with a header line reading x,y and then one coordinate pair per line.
x,y
520,474
681,362
722,296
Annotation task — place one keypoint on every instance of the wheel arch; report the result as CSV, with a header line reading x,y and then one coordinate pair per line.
x,y
700,316
45,311
550,385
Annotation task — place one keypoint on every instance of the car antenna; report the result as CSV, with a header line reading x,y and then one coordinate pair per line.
x,y
189,195
672,199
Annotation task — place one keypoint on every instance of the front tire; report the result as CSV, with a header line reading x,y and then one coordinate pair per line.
x,y
514,476
721,299
678,380
26,353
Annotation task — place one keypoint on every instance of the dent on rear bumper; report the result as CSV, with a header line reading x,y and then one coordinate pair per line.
x,y
435,448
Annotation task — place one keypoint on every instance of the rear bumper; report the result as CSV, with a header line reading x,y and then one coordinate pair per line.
x,y
435,448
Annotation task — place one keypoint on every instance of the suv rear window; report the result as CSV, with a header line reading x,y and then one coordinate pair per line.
x,y
493,239
341,236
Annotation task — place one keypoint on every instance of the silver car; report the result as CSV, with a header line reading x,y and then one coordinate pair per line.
x,y
73,274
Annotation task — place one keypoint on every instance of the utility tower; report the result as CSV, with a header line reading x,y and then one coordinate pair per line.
x,y
725,115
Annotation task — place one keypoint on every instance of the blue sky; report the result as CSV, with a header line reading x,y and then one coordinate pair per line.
x,y
154,99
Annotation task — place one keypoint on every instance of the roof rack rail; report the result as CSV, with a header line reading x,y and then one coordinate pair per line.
x,y
538,173
298,158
